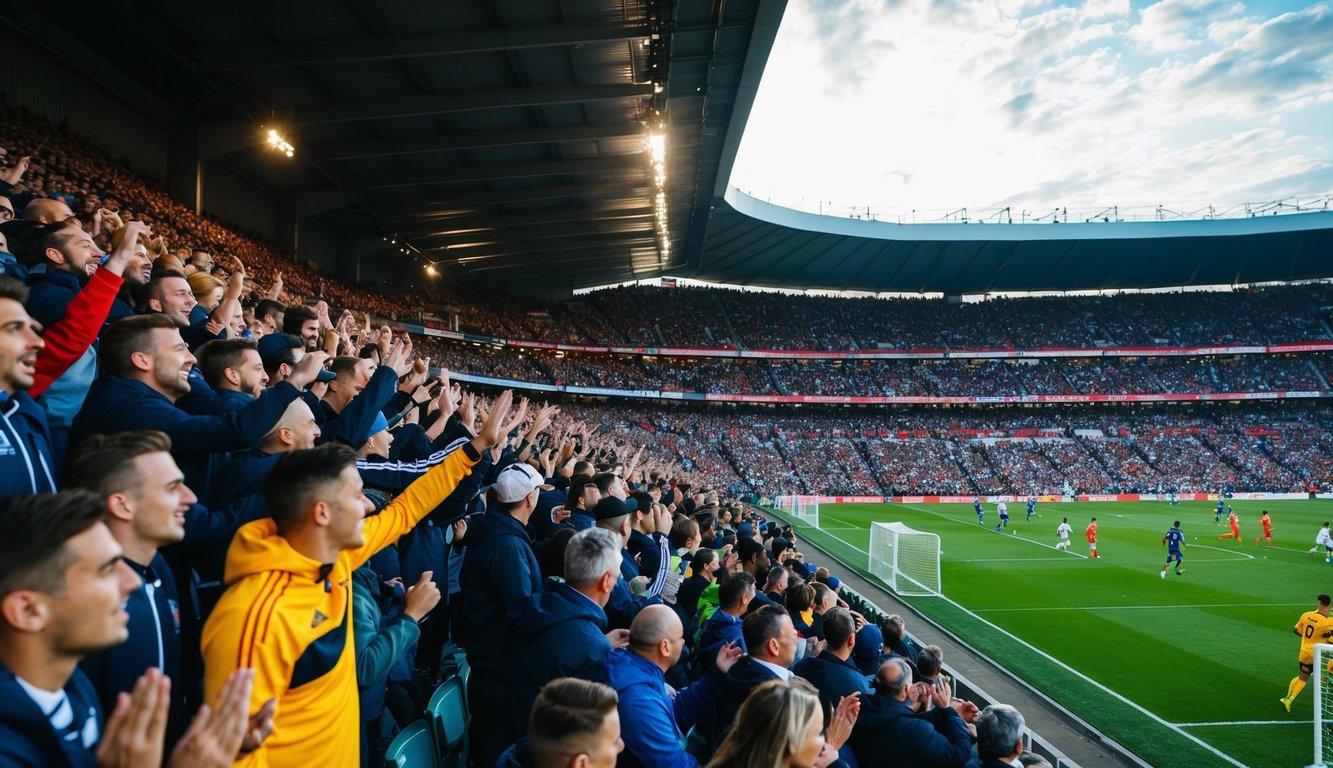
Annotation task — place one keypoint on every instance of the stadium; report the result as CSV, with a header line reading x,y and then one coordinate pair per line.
x,y
495,395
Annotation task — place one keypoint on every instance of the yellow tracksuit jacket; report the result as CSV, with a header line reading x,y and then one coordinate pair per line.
x,y
283,617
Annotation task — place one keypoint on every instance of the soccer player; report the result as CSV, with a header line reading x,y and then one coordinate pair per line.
x,y
1174,540
1092,539
981,513
1217,516
1267,524
1324,539
1063,530
1032,509
1313,628
1234,522
1003,509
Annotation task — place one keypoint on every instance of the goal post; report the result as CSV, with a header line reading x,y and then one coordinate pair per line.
x,y
1323,707
802,508
907,560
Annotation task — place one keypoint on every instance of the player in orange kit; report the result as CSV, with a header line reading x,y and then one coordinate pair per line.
x,y
1092,538
1267,524
1234,522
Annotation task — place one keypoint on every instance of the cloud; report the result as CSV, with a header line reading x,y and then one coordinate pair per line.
x,y
912,104
1171,25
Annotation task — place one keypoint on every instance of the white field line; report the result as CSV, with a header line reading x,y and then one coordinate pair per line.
x,y
1113,694
1223,549
969,525
1141,607
1245,722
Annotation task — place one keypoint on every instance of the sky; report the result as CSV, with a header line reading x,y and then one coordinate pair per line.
x,y
929,106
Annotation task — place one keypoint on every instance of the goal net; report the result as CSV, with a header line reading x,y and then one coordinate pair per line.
x,y
1323,707
803,508
908,561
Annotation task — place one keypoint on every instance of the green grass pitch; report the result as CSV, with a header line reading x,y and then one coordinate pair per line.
x,y
1150,662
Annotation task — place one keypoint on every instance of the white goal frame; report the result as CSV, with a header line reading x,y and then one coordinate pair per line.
x,y
802,508
898,554
1323,707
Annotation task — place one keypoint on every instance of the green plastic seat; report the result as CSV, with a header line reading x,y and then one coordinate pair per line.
x,y
447,715
413,747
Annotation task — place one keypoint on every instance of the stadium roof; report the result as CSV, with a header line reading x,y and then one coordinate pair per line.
x,y
751,242
505,139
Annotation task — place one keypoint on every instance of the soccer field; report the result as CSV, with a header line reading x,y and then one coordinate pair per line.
x,y
1185,671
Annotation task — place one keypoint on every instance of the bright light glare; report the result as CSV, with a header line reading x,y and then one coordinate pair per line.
x,y
656,143
276,141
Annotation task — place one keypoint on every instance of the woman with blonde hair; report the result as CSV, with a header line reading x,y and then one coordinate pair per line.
x,y
781,725
207,290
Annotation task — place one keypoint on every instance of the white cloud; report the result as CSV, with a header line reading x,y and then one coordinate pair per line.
x,y
1172,25
1039,104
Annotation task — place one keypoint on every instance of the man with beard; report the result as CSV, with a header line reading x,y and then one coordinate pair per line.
x,y
148,366
71,258
234,370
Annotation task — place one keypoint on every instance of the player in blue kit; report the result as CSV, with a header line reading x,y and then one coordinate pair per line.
x,y
981,513
1174,540
1217,516
1032,508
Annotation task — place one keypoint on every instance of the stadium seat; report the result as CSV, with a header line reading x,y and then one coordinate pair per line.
x,y
464,674
412,748
447,715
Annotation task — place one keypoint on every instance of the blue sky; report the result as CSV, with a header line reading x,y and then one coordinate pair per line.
x,y
898,105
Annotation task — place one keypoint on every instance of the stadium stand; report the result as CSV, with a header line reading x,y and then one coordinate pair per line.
x,y
387,422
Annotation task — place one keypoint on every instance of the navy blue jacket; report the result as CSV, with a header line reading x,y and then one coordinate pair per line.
x,y
889,733
560,634
624,604
49,294
651,723
155,641
721,628
646,551
26,464
27,739
833,677
197,442
746,675
352,426
500,573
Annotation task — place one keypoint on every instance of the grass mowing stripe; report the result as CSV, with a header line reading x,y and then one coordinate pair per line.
x,y
969,525
1132,704
1142,607
1177,644
1247,722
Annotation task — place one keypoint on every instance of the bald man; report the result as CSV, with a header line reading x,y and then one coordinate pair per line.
x,y
889,731
651,722
45,210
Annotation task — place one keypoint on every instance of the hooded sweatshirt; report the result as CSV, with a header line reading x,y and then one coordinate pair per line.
x,y
560,635
289,617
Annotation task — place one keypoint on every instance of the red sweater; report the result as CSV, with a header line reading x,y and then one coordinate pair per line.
x,y
68,339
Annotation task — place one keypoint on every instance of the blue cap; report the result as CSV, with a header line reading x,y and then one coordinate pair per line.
x,y
869,644
380,424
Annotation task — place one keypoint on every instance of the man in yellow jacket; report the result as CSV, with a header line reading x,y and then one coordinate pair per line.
x,y
287,611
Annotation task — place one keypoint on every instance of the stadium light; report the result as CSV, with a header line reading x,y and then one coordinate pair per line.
x,y
656,145
276,141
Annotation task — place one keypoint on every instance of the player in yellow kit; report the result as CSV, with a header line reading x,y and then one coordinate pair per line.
x,y
1314,628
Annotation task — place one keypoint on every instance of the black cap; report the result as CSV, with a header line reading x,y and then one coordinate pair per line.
x,y
780,545
610,507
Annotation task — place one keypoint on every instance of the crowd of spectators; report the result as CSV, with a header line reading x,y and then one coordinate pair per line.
x,y
249,521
